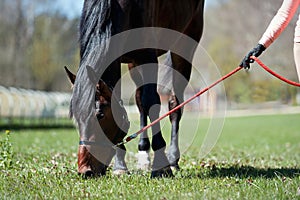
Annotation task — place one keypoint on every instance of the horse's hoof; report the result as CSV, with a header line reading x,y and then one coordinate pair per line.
x,y
143,160
175,168
162,173
120,172
87,174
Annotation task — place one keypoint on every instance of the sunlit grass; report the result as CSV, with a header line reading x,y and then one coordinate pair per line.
x,y
254,158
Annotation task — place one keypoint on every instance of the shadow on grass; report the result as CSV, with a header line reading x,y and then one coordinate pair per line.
x,y
35,123
242,172
249,171
35,126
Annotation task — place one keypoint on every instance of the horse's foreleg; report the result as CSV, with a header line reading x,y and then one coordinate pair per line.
x,y
144,142
120,166
150,102
161,165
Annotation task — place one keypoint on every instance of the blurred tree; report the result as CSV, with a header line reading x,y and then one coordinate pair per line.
x,y
237,87
35,43
233,27
52,47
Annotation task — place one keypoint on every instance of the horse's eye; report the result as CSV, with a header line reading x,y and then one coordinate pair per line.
x,y
99,114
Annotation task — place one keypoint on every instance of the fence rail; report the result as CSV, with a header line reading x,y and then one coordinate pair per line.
x,y
32,105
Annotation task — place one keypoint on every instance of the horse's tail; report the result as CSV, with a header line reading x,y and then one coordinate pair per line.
x,y
166,75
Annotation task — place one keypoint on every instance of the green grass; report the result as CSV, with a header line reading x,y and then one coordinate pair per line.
x,y
254,158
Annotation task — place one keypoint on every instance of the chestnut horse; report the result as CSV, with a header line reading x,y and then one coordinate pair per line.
x,y
102,20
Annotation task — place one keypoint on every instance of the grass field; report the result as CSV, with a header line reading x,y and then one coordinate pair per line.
x,y
254,158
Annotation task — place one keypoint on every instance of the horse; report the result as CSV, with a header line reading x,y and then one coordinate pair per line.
x,y
95,87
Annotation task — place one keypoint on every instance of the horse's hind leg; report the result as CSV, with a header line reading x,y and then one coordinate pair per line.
x,y
181,76
143,158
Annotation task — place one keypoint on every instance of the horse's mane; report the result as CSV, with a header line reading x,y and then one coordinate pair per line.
x,y
95,28
95,21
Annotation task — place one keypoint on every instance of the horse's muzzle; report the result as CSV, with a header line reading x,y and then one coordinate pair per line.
x,y
88,165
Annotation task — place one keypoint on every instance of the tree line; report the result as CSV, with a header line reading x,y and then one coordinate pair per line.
x,y
36,41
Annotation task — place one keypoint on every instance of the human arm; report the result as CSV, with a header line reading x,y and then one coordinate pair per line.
x,y
275,28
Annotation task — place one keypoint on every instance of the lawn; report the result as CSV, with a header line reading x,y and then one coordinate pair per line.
x,y
254,158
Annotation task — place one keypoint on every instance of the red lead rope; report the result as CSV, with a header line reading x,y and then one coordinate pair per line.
x,y
131,137
273,73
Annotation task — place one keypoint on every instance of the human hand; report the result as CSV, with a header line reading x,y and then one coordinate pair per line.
x,y
256,51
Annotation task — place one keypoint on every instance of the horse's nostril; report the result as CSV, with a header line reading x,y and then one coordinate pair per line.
x,y
99,114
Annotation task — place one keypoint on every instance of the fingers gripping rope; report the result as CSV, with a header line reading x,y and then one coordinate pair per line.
x,y
133,136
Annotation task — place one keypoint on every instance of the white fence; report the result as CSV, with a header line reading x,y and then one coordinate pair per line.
x,y
21,103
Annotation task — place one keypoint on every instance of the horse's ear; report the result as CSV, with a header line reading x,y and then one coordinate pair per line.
x,y
71,76
105,91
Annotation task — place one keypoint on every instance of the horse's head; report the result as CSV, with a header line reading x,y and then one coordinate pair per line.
x,y
113,122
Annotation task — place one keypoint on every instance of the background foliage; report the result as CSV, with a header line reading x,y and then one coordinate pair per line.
x,y
37,39
234,27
